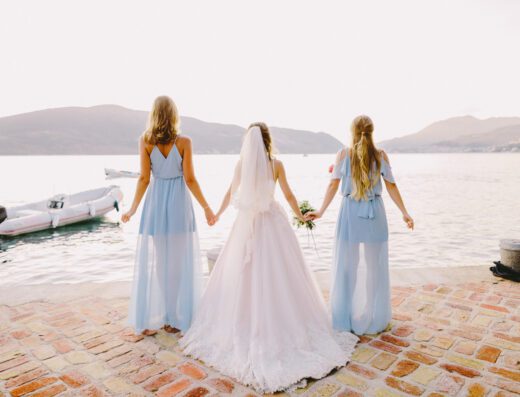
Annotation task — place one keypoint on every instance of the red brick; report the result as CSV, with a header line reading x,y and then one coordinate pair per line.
x,y
358,369
515,339
222,385
62,346
364,339
32,386
385,346
60,316
49,336
420,357
174,388
135,365
467,372
494,299
476,297
403,330
197,392
192,371
404,367
349,393
27,377
466,334
13,363
401,316
51,391
124,358
488,353
513,375
449,384
493,307
74,379
459,306
154,384
20,334
404,386
394,341
128,335
476,390
147,372
92,391
98,340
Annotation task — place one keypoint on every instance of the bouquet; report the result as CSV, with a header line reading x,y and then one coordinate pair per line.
x,y
305,207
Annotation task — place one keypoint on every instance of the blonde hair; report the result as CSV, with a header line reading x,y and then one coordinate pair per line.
x,y
363,156
266,137
163,121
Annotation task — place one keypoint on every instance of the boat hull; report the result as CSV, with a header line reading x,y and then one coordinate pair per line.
x,y
36,217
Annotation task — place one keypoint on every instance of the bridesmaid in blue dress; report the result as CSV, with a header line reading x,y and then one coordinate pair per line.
x,y
167,274
360,292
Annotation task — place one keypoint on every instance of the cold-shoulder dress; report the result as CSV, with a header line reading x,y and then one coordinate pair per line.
x,y
360,292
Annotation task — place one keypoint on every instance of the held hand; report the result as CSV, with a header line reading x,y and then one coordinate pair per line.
x,y
408,220
127,215
210,216
312,215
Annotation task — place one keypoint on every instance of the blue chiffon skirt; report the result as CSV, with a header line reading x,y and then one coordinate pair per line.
x,y
360,293
168,274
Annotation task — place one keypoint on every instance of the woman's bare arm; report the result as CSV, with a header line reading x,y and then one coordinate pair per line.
x,y
331,191
225,203
395,195
142,182
286,189
191,180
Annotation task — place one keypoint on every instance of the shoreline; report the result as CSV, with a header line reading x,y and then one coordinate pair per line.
x,y
19,294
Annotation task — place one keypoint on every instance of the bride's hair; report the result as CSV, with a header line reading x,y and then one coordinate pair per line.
x,y
266,137
163,121
363,157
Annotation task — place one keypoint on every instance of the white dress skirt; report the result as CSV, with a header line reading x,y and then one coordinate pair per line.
x,y
262,319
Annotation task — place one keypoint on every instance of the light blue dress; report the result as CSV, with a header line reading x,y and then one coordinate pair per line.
x,y
167,275
360,292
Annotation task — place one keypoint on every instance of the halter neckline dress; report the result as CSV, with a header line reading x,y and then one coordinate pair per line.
x,y
168,274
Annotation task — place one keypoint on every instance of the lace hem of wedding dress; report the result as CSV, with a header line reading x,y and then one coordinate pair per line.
x,y
325,353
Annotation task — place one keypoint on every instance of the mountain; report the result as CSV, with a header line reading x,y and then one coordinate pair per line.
x,y
461,134
111,129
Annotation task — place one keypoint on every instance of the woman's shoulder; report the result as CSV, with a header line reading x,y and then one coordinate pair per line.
x,y
183,139
383,155
342,154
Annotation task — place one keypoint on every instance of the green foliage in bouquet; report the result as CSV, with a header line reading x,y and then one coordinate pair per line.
x,y
305,207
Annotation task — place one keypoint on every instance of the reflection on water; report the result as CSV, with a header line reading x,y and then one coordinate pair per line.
x,y
69,234
462,205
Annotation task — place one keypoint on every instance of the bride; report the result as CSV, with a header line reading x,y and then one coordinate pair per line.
x,y
262,319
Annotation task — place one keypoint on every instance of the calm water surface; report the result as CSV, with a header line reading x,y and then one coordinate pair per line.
x,y
462,205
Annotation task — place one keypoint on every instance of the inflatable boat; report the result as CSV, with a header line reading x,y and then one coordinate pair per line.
x,y
59,210
112,174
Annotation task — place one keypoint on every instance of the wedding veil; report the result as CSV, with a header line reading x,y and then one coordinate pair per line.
x,y
252,186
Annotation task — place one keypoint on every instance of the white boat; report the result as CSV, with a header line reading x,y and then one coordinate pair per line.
x,y
112,174
59,210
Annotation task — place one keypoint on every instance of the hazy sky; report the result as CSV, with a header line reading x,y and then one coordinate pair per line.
x,y
302,64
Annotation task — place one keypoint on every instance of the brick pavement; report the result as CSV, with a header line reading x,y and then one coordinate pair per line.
x,y
444,340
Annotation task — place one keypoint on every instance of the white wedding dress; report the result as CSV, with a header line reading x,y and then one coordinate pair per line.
x,y
262,319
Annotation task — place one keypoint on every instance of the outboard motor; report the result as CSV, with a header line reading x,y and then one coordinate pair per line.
x,y
3,214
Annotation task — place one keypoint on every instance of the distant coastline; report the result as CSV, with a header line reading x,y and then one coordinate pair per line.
x,y
114,130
